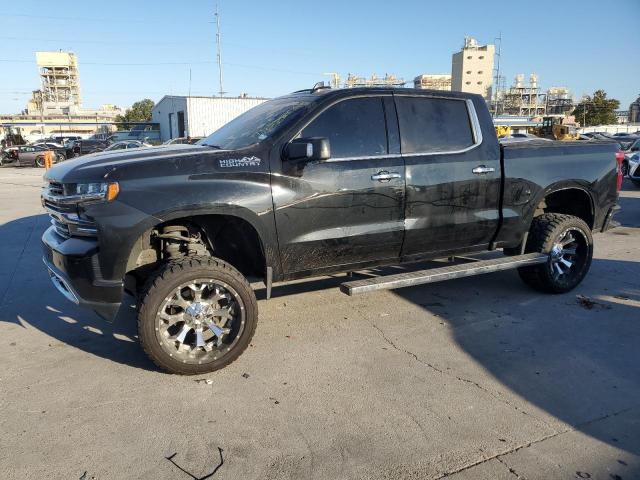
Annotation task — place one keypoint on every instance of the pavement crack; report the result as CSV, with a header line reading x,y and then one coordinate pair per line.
x,y
396,347
457,377
535,442
511,470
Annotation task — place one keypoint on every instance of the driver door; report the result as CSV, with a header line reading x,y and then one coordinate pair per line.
x,y
348,209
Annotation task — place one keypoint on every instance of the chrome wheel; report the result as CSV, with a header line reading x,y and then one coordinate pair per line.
x,y
200,321
568,255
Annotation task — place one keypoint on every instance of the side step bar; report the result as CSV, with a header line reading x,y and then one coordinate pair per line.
x,y
432,275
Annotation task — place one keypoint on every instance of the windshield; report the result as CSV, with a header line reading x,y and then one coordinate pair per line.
x,y
256,124
635,146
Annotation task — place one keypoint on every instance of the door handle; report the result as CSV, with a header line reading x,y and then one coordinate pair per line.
x,y
384,176
482,169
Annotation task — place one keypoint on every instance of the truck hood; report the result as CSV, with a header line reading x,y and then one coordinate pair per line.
x,y
106,165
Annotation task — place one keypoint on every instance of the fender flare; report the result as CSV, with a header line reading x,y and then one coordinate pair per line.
x,y
267,239
558,187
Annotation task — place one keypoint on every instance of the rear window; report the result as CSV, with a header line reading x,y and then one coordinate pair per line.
x,y
430,125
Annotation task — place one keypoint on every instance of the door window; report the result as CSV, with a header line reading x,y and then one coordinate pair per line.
x,y
355,128
433,124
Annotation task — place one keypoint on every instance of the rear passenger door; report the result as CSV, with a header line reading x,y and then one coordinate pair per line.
x,y
453,182
348,209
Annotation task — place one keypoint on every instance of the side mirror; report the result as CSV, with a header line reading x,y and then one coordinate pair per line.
x,y
312,148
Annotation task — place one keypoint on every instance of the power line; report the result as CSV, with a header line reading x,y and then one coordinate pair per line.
x,y
187,63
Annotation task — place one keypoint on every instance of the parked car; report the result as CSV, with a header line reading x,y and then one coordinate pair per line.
x,y
33,155
317,182
183,140
65,149
9,155
632,168
596,135
625,139
522,137
83,147
126,145
62,139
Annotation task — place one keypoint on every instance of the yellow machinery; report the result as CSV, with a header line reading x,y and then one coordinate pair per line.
x,y
557,128
503,130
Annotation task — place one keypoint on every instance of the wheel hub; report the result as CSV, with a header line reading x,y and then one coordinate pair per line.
x,y
196,313
564,254
200,321
556,252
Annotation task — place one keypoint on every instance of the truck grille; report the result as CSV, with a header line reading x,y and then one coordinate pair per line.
x,y
56,189
61,228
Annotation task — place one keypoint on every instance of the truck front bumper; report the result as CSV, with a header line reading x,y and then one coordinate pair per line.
x,y
74,269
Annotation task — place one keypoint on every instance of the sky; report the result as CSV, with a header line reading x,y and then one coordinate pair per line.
x,y
129,50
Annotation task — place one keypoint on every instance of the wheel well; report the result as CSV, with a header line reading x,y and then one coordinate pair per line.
x,y
229,238
570,201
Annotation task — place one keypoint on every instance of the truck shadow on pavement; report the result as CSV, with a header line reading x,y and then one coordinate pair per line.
x,y
574,356
28,299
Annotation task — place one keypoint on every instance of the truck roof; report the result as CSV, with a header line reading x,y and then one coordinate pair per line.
x,y
356,91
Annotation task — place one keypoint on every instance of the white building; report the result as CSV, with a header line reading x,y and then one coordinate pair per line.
x,y
181,116
472,68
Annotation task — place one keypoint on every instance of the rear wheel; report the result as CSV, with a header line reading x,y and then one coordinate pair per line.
x,y
568,241
39,162
60,158
197,315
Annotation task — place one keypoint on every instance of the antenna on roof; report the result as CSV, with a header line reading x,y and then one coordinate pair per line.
x,y
219,54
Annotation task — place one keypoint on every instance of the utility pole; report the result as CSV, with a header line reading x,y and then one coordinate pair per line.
x,y
219,54
497,82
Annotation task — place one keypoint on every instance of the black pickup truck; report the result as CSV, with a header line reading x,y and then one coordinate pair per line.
x,y
317,182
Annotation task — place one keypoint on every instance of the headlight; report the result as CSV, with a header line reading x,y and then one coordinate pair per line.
x,y
87,192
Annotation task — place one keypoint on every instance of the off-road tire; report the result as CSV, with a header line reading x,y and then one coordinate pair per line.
x,y
164,281
545,231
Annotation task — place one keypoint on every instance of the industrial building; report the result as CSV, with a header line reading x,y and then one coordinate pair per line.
x,y
60,83
472,68
182,116
353,81
524,100
56,108
432,82
559,101
634,111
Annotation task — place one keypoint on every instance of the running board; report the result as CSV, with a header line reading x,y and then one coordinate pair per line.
x,y
441,274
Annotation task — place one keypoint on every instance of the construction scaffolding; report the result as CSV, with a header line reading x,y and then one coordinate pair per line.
x,y
59,78
433,82
559,101
374,81
524,100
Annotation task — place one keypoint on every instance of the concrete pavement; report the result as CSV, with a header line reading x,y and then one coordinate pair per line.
x,y
468,379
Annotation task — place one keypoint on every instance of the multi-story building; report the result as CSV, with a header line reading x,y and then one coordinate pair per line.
x,y
472,68
634,111
56,108
432,82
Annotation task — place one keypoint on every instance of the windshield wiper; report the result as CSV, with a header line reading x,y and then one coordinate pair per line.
x,y
217,147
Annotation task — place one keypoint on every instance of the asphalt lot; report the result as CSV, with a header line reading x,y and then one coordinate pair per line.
x,y
467,379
